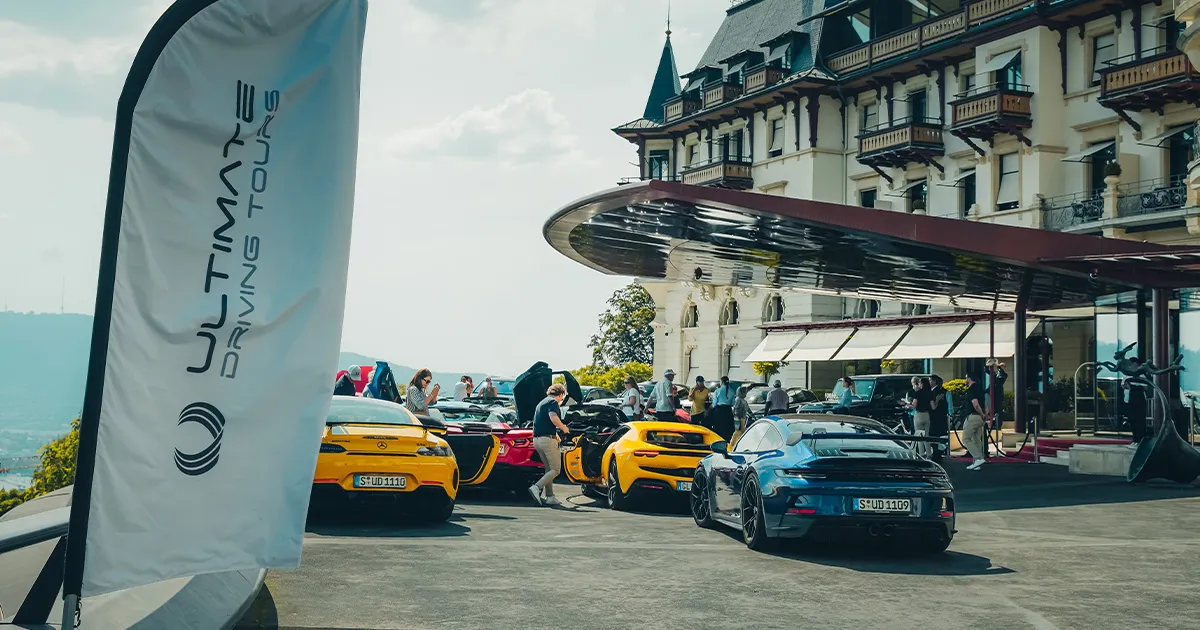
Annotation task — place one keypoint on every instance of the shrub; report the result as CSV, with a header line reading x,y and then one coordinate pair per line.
x,y
56,470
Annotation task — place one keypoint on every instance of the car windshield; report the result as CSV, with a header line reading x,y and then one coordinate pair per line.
x,y
503,387
843,445
758,395
863,388
359,411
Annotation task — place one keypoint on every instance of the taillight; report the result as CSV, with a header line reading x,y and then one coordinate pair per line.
x,y
646,453
522,442
802,511
332,448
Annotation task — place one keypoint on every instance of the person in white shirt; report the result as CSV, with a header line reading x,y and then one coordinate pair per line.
x,y
462,388
664,397
777,400
631,400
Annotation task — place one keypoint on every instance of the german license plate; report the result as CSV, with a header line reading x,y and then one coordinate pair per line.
x,y
883,505
685,486
380,481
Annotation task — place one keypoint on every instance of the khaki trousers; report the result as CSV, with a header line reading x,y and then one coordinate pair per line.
x,y
973,436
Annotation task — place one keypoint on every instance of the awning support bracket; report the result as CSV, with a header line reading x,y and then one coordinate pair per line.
x,y
1125,116
882,174
970,143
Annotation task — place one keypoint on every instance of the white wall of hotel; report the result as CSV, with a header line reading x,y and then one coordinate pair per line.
x,y
1062,127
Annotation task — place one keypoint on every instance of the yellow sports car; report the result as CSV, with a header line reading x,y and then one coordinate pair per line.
x,y
638,458
378,450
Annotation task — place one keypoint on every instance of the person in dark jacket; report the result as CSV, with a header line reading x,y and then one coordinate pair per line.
x,y
939,417
345,384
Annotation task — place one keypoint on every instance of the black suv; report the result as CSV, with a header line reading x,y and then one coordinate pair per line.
x,y
876,396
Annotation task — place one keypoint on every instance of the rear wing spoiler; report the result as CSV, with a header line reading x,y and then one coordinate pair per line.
x,y
797,437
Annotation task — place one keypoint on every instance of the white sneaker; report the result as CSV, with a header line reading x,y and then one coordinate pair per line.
x,y
552,501
977,464
536,493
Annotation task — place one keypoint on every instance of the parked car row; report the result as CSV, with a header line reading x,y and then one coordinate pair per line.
x,y
809,475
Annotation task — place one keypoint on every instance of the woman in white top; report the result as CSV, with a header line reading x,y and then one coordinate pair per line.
x,y
631,402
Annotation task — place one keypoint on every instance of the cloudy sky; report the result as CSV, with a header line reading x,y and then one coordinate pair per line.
x,y
479,119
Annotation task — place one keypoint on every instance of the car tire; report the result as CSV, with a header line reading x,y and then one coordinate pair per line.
x,y
935,546
590,491
438,510
616,499
701,502
754,526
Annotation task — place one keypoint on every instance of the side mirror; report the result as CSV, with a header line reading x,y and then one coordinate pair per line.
x,y
721,447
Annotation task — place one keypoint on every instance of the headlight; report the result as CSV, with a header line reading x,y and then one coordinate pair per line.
x,y
799,473
434,451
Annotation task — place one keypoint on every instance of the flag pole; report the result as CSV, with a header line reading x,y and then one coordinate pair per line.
x,y
89,420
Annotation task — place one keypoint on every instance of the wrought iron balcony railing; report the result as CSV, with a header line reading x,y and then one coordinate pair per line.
x,y
1067,211
1151,196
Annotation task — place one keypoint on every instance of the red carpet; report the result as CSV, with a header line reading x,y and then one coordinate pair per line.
x,y
1046,447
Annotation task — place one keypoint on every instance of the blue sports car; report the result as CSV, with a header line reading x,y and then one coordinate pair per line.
x,y
824,478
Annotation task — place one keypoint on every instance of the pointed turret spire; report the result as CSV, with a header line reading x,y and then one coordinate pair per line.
x,y
666,79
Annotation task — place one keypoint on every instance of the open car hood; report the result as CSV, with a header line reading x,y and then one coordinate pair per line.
x,y
530,389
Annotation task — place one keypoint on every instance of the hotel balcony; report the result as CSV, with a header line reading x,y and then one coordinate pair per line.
x,y
728,172
1150,202
763,77
984,112
680,106
924,34
901,142
1148,83
721,92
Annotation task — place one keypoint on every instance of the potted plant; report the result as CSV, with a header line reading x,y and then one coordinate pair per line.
x,y
1112,169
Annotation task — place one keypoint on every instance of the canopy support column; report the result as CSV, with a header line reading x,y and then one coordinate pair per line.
x,y
1020,360
1159,326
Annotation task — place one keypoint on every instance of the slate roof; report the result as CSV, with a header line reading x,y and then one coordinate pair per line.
x,y
666,83
753,22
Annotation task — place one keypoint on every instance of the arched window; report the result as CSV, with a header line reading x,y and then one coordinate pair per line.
x,y
773,309
729,313
691,315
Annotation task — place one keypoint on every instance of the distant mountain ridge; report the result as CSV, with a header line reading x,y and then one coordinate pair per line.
x,y
43,369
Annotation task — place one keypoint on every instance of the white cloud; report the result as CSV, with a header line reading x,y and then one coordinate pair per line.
x,y
27,50
524,128
12,142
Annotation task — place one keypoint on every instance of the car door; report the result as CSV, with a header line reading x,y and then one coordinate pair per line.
x,y
769,443
725,500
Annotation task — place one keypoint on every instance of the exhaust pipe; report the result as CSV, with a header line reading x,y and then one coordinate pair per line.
x,y
888,530
873,530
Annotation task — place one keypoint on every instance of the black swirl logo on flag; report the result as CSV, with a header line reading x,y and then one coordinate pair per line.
x,y
209,417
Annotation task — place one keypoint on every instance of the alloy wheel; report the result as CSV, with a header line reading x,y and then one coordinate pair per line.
x,y
700,507
750,512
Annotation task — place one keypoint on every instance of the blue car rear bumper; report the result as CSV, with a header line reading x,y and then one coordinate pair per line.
x,y
830,514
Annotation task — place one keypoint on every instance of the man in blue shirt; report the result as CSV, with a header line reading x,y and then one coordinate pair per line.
x,y
546,424
722,412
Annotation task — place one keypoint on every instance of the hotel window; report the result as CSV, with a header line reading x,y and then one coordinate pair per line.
x,y
1099,160
917,195
729,359
691,315
968,82
773,310
660,164
776,138
1008,196
729,313
968,194
1010,76
1180,152
1104,49
692,153
1172,30
869,116
731,146
918,106
866,198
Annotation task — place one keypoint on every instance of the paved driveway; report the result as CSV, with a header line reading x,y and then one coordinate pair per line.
x,y
1036,548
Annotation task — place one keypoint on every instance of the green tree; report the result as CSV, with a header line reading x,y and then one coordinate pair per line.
x,y
767,369
612,379
56,470
625,334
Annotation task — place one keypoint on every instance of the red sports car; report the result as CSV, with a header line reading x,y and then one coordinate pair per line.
x,y
517,465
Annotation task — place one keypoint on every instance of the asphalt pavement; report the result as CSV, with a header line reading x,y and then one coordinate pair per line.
x,y
1036,548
